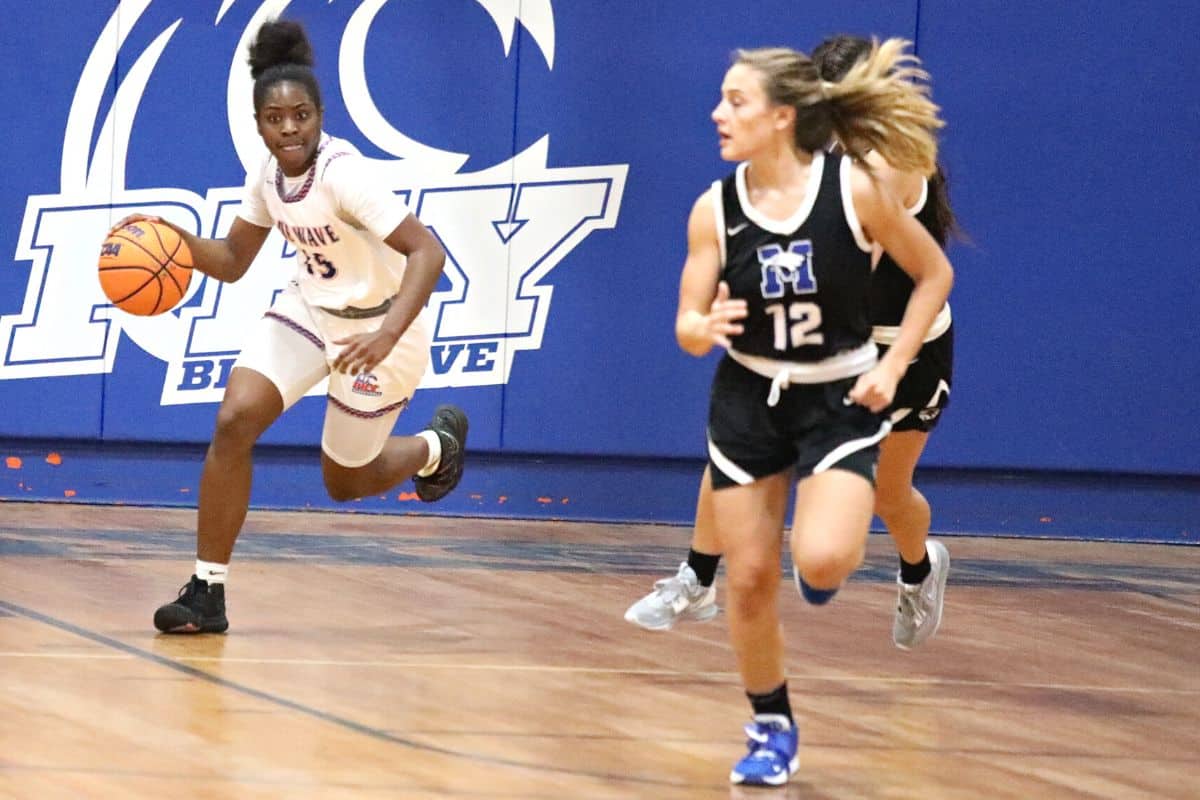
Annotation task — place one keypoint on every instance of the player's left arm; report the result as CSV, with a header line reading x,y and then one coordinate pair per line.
x,y
885,220
362,197
425,256
426,259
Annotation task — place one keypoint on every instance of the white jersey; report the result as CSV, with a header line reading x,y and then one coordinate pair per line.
x,y
336,216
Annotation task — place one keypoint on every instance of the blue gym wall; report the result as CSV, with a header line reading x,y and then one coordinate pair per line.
x,y
1072,151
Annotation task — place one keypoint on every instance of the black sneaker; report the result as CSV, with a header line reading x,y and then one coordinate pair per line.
x,y
200,608
450,423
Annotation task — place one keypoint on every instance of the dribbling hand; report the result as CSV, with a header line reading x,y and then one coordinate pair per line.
x,y
137,218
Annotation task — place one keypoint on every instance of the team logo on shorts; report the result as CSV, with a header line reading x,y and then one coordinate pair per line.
x,y
367,385
934,407
521,214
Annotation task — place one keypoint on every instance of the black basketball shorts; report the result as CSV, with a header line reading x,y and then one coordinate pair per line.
x,y
924,391
811,429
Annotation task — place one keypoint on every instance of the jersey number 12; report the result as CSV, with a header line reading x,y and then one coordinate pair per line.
x,y
796,324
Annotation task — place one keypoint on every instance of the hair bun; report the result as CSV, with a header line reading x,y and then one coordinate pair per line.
x,y
279,42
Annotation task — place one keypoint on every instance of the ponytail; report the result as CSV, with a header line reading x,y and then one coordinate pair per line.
x,y
882,103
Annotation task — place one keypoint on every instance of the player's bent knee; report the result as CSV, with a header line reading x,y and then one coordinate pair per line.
x,y
828,568
340,492
344,482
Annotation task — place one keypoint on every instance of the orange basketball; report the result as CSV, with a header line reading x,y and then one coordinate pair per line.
x,y
145,268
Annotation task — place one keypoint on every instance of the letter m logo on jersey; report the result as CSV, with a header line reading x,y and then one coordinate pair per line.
x,y
791,268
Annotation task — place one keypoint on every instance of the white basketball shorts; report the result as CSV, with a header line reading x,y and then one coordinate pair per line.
x,y
293,347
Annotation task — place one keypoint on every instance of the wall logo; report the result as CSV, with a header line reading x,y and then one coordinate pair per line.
x,y
504,227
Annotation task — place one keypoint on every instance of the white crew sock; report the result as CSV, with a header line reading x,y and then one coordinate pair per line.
x,y
211,571
435,452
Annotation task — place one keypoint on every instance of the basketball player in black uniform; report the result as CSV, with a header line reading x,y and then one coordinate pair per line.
x,y
778,272
922,393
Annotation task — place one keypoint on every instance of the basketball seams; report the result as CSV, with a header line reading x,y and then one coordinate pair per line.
x,y
179,245
155,274
139,246
158,301
170,260
163,267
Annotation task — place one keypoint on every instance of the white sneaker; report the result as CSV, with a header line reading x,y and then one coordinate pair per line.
x,y
678,597
919,605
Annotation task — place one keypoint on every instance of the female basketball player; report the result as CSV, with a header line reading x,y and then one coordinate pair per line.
x,y
366,268
778,272
921,395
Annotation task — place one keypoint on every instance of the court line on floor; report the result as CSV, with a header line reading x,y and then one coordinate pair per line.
x,y
320,715
199,781
538,555
585,670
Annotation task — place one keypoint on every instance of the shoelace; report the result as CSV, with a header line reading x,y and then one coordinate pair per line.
x,y
670,589
910,603
762,751
760,741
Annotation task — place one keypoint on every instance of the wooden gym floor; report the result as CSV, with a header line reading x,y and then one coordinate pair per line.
x,y
427,657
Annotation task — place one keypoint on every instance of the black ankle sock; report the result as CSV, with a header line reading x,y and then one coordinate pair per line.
x,y
773,702
704,565
915,573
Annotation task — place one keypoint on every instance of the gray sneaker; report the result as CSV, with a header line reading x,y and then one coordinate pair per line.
x,y
919,606
679,597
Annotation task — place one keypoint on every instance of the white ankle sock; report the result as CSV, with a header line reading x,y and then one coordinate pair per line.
x,y
211,571
435,452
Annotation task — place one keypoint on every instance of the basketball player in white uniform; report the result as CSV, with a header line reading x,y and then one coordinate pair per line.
x,y
365,269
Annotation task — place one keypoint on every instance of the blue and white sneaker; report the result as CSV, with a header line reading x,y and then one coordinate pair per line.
x,y
773,742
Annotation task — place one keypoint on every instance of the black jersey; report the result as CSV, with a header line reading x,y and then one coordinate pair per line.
x,y
891,287
805,279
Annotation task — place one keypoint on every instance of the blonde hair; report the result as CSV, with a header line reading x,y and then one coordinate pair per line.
x,y
881,104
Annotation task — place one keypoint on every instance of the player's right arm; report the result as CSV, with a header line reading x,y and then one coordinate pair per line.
x,y
228,259
706,314
224,259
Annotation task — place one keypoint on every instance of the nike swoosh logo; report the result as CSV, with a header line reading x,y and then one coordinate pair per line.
x,y
734,231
